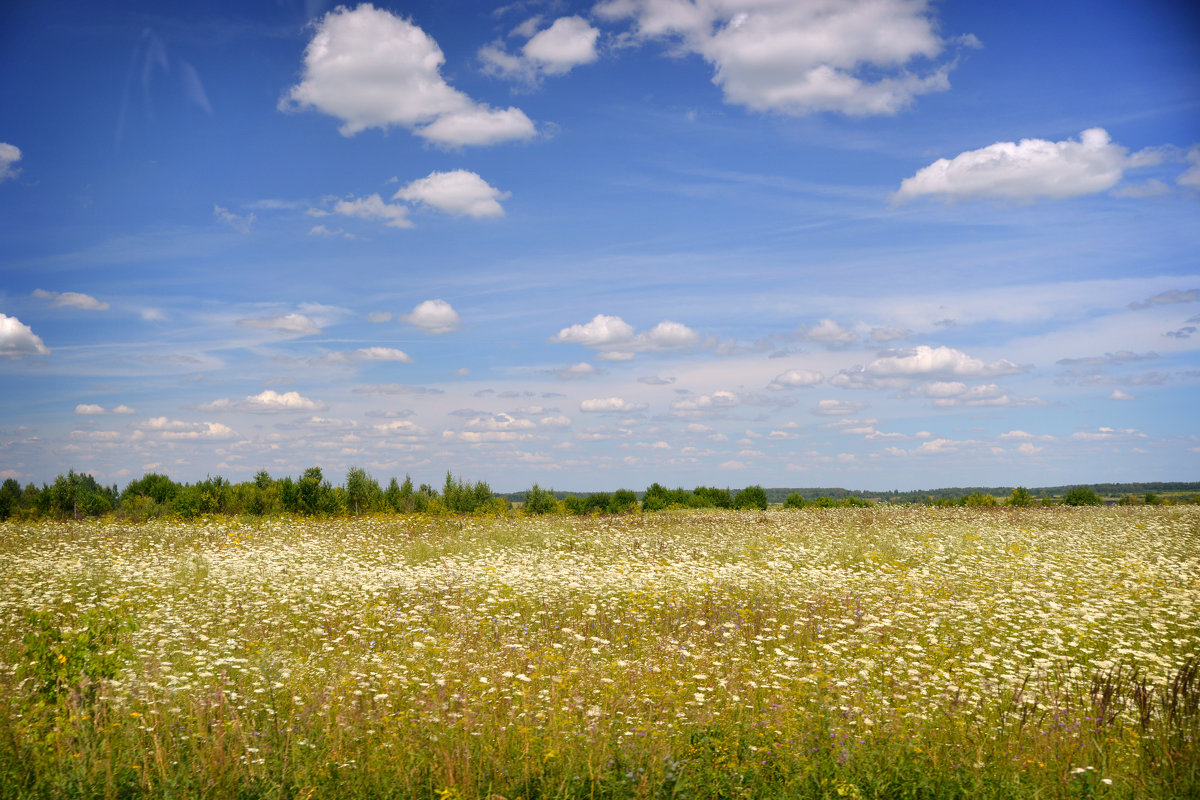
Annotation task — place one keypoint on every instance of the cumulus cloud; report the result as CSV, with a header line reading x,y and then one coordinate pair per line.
x,y
266,402
575,371
398,429
839,408
1113,359
10,154
173,429
288,324
609,405
602,331
91,409
78,300
616,337
1117,394
433,317
1168,298
1189,179
707,402
796,378
371,207
829,332
373,69
17,339
381,354
567,43
240,223
1028,170
924,360
947,394
457,192
797,58
889,334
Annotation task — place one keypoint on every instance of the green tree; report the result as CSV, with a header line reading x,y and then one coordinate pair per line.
x,y
1020,498
980,499
360,489
793,500
1082,496
751,497
540,501
656,498
623,501
10,498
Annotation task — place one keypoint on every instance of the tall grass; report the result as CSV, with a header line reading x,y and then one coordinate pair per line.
x,y
922,653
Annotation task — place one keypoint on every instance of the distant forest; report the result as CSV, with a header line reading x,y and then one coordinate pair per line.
x,y
78,495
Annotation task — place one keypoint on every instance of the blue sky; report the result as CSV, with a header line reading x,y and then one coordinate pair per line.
x,y
886,244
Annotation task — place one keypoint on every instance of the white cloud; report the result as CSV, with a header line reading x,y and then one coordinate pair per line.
x,y
457,192
17,339
10,154
400,428
1028,170
707,402
854,57
78,300
556,50
500,422
580,370
796,378
1014,434
838,407
380,316
370,68
610,405
937,446
888,334
382,354
1117,394
90,409
268,401
173,429
1168,298
288,324
372,207
616,337
433,317
1190,178
943,361
602,331
241,224
1028,448
829,332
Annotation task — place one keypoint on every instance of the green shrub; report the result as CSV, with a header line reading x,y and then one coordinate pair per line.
x,y
57,659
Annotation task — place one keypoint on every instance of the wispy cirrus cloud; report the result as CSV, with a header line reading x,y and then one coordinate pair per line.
x,y
83,302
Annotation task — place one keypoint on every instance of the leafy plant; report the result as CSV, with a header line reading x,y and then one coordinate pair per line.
x,y
58,659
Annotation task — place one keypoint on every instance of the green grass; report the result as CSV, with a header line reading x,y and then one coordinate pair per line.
x,y
843,653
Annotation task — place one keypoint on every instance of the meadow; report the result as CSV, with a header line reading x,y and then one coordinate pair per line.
x,y
832,653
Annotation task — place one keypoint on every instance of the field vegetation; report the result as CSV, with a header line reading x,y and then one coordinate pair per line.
x,y
980,652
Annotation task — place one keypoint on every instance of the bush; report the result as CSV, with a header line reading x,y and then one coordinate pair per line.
x,y
58,659
1082,496
793,500
540,501
751,497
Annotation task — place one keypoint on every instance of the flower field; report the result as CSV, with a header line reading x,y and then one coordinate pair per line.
x,y
907,652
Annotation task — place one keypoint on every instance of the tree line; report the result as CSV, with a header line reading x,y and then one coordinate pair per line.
x,y
77,495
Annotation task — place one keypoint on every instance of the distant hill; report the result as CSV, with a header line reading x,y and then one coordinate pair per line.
x,y
777,494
